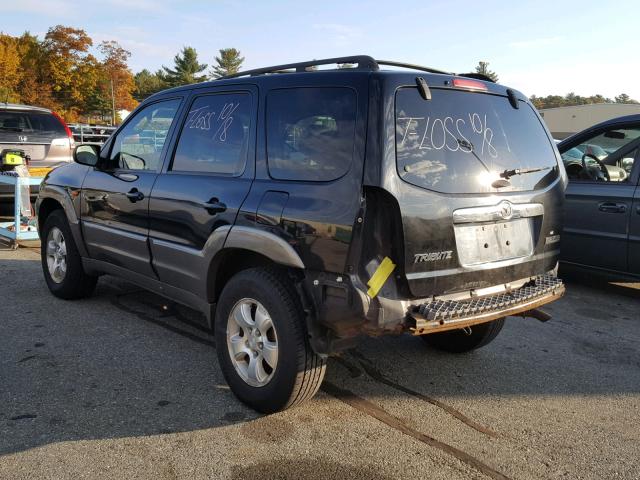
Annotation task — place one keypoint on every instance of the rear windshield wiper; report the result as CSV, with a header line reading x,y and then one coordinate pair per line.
x,y
472,150
507,174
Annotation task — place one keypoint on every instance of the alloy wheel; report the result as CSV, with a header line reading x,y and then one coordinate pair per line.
x,y
252,342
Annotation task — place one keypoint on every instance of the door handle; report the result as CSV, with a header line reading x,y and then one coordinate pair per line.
x,y
610,207
214,206
135,195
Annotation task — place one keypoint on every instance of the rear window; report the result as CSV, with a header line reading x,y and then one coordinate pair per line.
x,y
36,124
310,132
459,142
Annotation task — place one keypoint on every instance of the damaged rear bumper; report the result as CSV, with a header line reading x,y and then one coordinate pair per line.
x,y
441,315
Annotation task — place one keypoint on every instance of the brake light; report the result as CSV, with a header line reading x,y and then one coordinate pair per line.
x,y
469,84
66,128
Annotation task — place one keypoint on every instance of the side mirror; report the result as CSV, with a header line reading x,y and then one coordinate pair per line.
x,y
85,154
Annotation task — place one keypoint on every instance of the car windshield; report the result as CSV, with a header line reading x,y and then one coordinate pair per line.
x,y
14,124
595,150
460,142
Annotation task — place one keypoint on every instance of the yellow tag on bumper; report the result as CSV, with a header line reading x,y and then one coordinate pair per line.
x,y
13,159
380,276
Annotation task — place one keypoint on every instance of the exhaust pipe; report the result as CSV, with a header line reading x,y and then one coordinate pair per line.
x,y
537,314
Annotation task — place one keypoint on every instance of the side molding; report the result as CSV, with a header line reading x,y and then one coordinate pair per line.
x,y
264,243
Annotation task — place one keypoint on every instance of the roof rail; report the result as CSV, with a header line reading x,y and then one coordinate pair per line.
x,y
364,62
412,66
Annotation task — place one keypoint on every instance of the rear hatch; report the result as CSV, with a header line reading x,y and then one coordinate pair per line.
x,y
40,135
478,186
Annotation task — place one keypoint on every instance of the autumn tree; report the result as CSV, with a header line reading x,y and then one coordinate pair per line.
x,y
34,88
186,69
483,69
9,68
116,78
228,63
66,64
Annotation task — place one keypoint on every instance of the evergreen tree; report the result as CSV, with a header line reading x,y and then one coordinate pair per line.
x,y
147,84
228,63
186,69
483,68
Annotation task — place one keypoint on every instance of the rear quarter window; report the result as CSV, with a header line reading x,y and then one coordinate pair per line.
x,y
310,132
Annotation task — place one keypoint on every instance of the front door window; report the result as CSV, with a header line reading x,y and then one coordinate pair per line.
x,y
138,146
606,157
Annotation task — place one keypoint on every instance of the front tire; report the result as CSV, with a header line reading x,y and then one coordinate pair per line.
x,y
262,344
460,341
61,262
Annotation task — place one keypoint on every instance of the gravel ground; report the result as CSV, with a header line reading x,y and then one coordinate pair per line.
x,y
126,385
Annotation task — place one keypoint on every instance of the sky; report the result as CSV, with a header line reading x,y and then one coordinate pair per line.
x,y
542,48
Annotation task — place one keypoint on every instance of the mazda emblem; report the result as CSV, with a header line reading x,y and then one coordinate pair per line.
x,y
506,210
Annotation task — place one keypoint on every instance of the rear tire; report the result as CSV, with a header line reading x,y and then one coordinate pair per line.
x,y
457,341
262,344
61,261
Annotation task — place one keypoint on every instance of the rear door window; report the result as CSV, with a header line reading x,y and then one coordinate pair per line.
x,y
215,136
310,132
460,142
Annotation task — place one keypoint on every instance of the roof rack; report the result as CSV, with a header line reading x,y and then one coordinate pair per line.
x,y
361,62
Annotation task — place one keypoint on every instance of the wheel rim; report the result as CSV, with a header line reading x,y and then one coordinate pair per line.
x,y
56,255
252,342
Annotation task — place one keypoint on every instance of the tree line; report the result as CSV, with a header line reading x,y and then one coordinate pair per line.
x,y
60,72
571,99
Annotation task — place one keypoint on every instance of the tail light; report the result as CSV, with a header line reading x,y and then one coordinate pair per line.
x,y
66,128
469,83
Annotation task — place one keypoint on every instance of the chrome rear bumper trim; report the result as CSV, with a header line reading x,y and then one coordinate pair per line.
x,y
481,266
504,210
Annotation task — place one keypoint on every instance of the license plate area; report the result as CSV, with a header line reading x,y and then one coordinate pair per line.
x,y
493,242
35,152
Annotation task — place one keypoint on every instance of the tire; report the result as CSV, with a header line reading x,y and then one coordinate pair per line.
x,y
269,300
69,281
457,341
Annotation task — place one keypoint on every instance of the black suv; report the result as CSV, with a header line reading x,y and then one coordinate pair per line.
x,y
299,208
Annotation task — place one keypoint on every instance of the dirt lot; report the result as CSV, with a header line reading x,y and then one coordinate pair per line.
x,y
125,385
